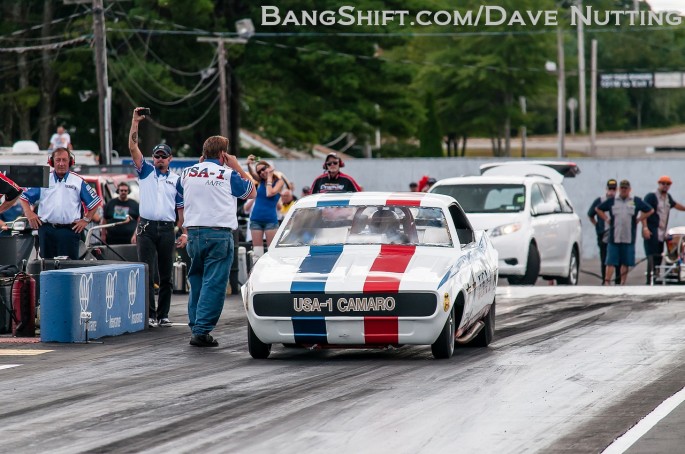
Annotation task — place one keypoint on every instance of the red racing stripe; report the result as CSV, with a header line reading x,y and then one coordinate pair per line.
x,y
388,268
381,330
404,200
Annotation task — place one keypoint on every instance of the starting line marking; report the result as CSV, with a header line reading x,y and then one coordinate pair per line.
x,y
8,366
22,352
625,441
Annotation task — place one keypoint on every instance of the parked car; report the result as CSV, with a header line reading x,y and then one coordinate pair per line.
x,y
373,269
529,218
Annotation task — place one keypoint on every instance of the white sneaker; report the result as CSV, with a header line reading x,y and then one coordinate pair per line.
x,y
152,323
165,322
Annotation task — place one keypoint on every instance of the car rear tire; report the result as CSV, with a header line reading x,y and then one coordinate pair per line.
x,y
257,348
532,268
443,347
573,270
486,335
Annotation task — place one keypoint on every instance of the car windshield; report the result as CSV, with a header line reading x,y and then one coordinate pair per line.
x,y
363,225
486,198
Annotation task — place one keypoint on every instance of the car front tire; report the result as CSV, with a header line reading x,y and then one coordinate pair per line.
x,y
573,270
257,348
532,268
443,347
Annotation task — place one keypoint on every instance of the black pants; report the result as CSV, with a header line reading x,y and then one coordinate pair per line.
x,y
653,251
58,241
603,258
155,243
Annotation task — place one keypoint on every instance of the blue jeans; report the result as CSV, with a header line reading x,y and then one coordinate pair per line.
x,y
211,255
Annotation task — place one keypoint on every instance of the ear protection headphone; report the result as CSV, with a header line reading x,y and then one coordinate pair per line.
x,y
51,159
333,155
123,183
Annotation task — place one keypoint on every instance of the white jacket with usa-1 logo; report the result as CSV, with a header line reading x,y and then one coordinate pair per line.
x,y
209,192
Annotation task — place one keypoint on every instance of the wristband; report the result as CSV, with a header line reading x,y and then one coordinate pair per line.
x,y
86,219
183,234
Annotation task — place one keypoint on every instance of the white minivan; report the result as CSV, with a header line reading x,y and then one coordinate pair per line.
x,y
528,216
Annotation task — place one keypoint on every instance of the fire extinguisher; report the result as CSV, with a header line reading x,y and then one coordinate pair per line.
x,y
24,304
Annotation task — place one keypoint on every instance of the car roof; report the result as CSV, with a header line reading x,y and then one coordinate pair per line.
x,y
422,199
485,179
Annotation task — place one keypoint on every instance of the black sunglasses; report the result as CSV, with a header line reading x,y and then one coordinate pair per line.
x,y
332,163
160,156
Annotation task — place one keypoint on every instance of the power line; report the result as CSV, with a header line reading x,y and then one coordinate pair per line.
x,y
21,49
181,97
13,35
149,50
159,125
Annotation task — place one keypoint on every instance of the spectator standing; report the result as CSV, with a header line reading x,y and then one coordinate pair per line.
x,y
10,191
159,198
657,224
116,210
210,191
429,184
264,215
413,186
287,201
624,218
333,180
59,221
61,139
601,228
306,191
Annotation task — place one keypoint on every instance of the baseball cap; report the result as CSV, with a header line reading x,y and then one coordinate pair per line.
x,y
162,148
624,184
665,179
611,184
431,181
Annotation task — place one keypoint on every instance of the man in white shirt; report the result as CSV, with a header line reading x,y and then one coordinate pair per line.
x,y
210,191
59,220
155,234
61,139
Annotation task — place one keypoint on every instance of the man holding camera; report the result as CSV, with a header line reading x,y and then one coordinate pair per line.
x,y
159,199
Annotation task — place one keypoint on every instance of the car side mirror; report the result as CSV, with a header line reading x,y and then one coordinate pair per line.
x,y
544,208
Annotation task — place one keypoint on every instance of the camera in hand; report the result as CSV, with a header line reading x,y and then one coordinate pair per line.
x,y
144,111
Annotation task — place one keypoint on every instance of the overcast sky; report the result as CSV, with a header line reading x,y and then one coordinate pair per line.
x,y
668,5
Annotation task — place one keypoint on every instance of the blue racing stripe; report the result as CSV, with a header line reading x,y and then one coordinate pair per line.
x,y
333,203
310,330
317,265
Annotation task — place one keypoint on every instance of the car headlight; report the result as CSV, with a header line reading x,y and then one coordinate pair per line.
x,y
505,229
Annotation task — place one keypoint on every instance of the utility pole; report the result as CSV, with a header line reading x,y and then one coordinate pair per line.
x,y
582,114
561,95
104,90
524,130
103,82
593,100
223,74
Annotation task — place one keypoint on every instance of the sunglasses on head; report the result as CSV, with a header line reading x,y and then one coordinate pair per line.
x,y
332,163
160,156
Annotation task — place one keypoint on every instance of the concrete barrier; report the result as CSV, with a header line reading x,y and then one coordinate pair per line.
x,y
109,300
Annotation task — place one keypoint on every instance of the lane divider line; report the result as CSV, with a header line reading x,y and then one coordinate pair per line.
x,y
625,441
8,366
22,352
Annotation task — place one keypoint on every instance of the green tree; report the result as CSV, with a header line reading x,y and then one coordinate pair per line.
x,y
430,136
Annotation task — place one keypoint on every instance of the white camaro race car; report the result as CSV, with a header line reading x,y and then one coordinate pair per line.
x,y
373,270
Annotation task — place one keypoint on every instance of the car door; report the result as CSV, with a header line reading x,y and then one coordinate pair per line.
x,y
466,238
569,225
544,227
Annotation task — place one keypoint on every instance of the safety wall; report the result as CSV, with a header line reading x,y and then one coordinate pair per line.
x,y
109,299
396,174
